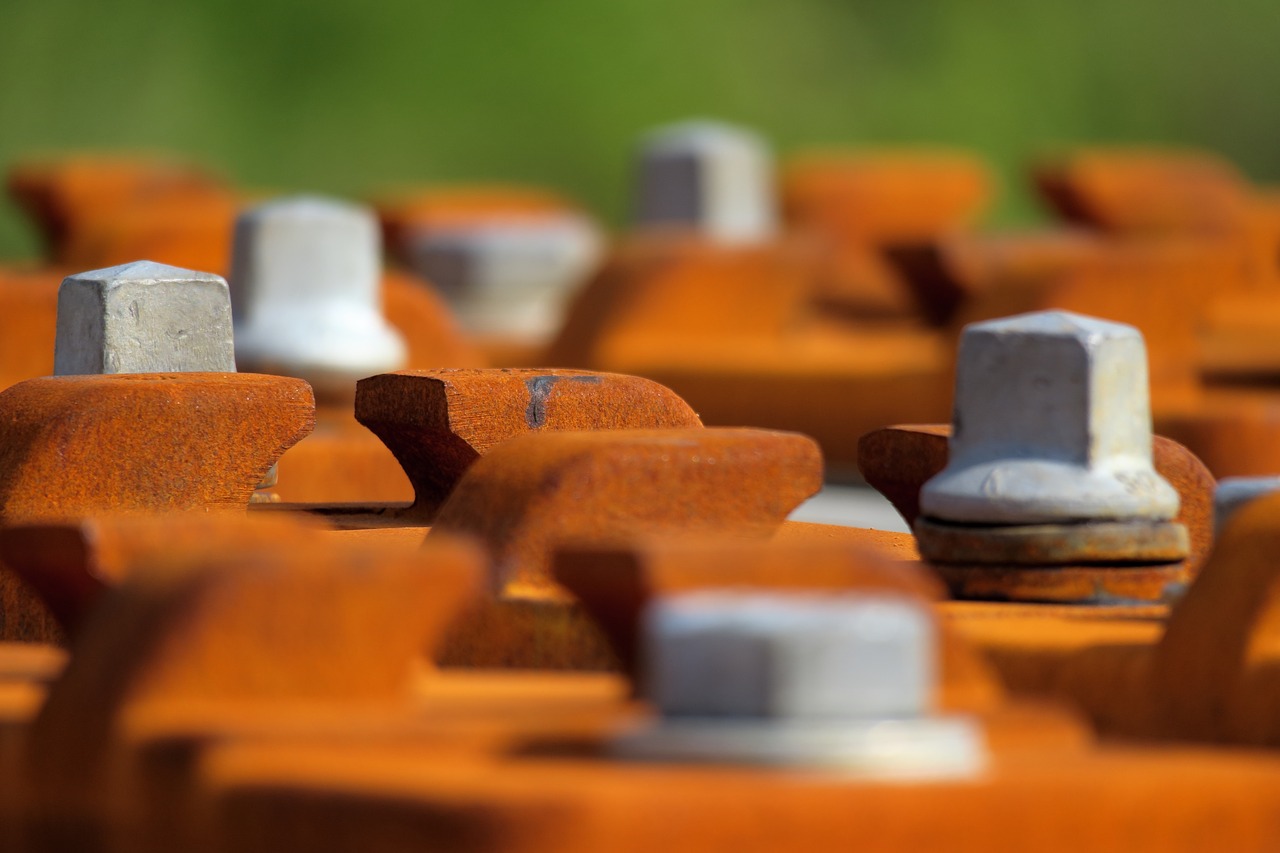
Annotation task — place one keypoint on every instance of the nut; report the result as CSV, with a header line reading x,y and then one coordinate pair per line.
x,y
840,680
713,178
511,276
305,292
143,317
737,654
1052,425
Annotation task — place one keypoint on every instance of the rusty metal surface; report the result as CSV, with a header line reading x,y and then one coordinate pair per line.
x,y
1070,584
247,641
538,490
65,197
28,320
566,802
537,628
72,564
1144,190
880,198
439,422
1043,545
143,442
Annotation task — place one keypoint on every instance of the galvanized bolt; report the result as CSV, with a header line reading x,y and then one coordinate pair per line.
x,y
1233,493
745,655
305,281
709,177
801,679
1052,425
509,277
143,317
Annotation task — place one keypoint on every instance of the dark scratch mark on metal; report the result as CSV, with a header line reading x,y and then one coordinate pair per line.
x,y
540,389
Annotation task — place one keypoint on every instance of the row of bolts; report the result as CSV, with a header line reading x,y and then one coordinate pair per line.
x,y
1052,426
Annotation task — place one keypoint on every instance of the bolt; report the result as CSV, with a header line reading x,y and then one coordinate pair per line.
x,y
713,178
143,317
306,276
1233,493
1052,425
510,276
842,680
714,654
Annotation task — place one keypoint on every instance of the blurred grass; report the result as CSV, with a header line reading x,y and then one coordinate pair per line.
x,y
347,96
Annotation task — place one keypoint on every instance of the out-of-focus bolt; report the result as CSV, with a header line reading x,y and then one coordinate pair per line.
x,y
712,178
143,317
305,279
841,680
1052,426
509,277
798,657
1234,492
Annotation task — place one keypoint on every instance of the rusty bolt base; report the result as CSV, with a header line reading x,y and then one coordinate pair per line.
x,y
74,446
1110,542
528,630
1108,585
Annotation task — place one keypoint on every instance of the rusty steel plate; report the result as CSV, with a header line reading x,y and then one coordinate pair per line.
x,y
1102,585
1110,542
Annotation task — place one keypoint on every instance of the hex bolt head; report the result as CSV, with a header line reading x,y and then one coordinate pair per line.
x,y
793,657
710,177
509,277
1233,493
143,317
1052,425
305,289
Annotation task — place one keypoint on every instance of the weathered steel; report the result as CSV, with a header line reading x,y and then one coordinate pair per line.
x,y
1102,542
72,564
257,639
80,445
539,490
439,422
1144,191
1083,584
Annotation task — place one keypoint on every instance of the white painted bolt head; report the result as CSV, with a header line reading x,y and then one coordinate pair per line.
x,y
1052,425
143,317
712,178
1233,493
789,657
306,293
509,277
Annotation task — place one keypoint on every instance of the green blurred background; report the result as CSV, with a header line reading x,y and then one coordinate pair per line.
x,y
351,95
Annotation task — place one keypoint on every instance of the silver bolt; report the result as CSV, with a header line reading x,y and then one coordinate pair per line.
x,y
306,276
143,317
1052,425
744,655
712,178
843,680
509,277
